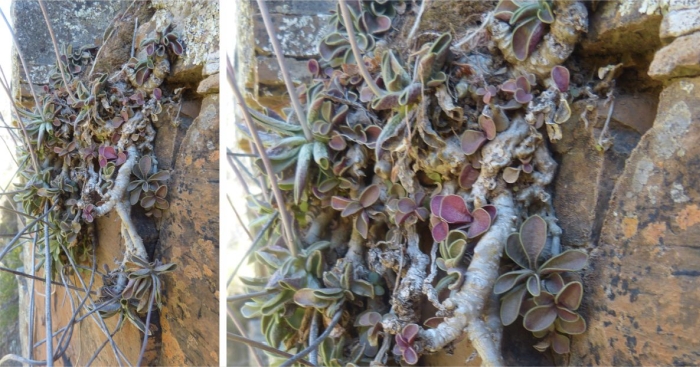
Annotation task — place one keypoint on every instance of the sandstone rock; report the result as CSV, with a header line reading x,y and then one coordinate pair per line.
x,y
298,7
298,35
269,73
209,85
618,27
190,237
212,65
586,175
680,22
641,298
681,58
33,36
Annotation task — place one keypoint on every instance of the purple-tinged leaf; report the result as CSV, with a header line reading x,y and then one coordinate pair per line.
x,y
504,10
433,322
544,299
481,223
509,86
369,195
144,167
159,176
472,140
409,332
560,77
523,38
522,96
510,305
533,237
386,102
351,209
410,356
515,251
439,229
453,209
545,13
567,315
435,203
560,343
527,168
468,176
489,127
539,318
574,327
340,203
362,224
406,205
422,213
337,143
554,283
570,296
507,281
569,260
302,171
533,285
313,67
491,209
368,319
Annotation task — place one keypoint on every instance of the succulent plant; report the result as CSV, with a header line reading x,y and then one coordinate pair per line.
x,y
358,206
520,87
165,40
528,17
146,182
449,210
404,343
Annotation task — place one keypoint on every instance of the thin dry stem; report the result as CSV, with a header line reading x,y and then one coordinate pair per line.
x,y
356,49
284,215
301,116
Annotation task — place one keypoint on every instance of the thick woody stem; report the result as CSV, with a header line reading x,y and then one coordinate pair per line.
x,y
470,300
115,195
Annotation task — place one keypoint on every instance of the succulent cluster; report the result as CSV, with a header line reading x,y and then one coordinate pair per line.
x,y
81,138
546,293
391,165
529,19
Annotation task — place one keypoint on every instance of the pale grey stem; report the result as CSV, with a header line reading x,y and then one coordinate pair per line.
x,y
313,335
47,291
298,110
238,325
284,215
356,49
424,4
312,346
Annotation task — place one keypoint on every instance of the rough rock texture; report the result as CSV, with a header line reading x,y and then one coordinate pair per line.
x,y
618,27
642,280
681,58
683,17
186,142
190,237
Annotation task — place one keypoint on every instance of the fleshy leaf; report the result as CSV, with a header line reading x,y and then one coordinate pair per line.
x,y
472,140
569,260
362,224
468,176
511,174
410,356
578,326
515,251
489,127
351,209
533,237
302,170
526,36
340,203
480,224
560,77
539,318
369,195
510,305
570,296
533,285
439,229
505,282
560,343
453,209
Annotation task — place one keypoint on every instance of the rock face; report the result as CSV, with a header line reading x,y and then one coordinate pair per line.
x,y
643,301
186,143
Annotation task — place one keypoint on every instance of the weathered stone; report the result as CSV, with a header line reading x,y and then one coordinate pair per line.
x,y
641,299
586,175
190,237
297,7
80,23
212,65
197,23
680,22
269,73
299,36
209,85
681,58
619,27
